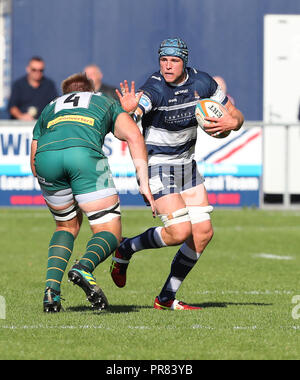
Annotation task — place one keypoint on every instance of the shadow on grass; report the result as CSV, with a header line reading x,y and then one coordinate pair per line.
x,y
226,304
115,309
111,309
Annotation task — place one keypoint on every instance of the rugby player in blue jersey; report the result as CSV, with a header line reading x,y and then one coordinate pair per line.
x,y
167,110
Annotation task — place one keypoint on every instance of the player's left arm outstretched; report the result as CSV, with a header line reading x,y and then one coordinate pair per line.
x,y
129,99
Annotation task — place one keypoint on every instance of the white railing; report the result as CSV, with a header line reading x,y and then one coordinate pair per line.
x,y
290,145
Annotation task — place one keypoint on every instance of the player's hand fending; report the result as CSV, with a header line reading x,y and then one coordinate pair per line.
x,y
128,98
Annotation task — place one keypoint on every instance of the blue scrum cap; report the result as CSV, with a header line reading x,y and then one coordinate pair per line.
x,y
174,47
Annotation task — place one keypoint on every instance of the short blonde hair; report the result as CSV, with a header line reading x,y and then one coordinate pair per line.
x,y
77,82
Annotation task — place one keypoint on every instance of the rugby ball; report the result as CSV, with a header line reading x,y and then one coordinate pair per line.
x,y
209,108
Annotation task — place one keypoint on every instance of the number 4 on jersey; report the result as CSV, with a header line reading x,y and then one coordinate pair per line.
x,y
75,100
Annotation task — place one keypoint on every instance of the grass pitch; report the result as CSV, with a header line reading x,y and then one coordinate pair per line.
x,y
247,283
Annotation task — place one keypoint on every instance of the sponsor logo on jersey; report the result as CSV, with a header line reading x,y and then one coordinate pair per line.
x,y
75,118
181,92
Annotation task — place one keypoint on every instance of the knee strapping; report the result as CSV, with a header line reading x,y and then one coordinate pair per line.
x,y
105,215
199,214
65,214
178,216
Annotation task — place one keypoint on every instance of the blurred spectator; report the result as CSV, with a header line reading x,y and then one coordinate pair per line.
x,y
221,82
94,72
32,92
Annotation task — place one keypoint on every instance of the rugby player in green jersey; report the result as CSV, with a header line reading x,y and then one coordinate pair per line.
x,y
75,178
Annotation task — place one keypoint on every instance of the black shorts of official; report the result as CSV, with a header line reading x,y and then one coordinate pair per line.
x,y
169,179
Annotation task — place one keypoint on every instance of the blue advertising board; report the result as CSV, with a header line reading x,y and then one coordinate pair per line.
x,y
231,166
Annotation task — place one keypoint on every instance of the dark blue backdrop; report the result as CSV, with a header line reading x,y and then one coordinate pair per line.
x,y
225,37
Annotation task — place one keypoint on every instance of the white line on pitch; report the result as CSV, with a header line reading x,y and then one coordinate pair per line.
x,y
272,256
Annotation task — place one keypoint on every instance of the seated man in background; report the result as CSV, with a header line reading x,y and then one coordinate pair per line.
x,y
32,92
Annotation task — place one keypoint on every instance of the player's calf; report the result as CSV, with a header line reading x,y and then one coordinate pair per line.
x,y
99,247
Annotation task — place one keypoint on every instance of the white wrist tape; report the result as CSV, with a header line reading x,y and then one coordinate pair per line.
x,y
135,116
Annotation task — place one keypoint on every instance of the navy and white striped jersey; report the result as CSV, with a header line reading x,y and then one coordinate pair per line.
x,y
169,122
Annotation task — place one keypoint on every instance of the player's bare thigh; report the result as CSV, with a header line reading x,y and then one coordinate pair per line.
x,y
113,226
73,225
176,233
196,196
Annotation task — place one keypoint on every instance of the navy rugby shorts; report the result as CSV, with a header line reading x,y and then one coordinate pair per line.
x,y
169,179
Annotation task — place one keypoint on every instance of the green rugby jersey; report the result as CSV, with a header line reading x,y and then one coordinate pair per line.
x,y
76,119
